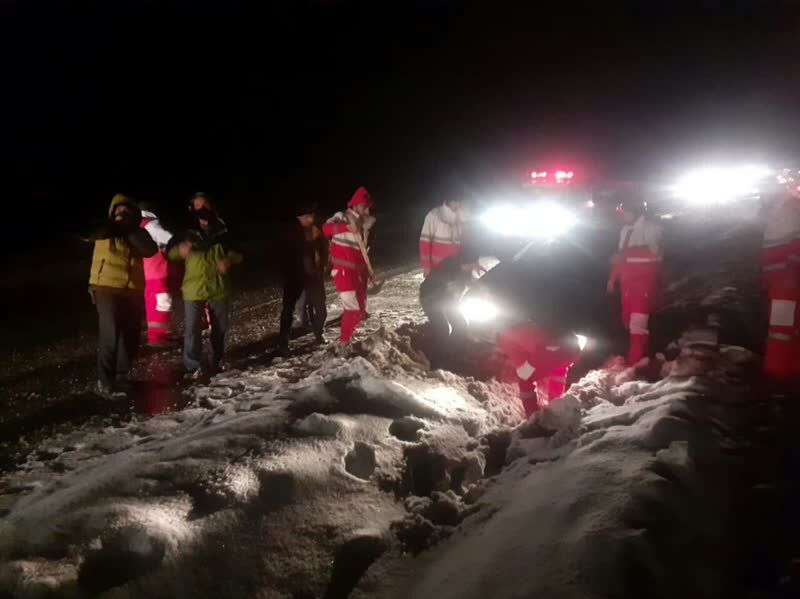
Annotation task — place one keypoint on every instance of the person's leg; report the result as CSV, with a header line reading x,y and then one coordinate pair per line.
x,y
129,319
556,383
528,396
157,306
346,281
192,335
219,330
292,289
107,334
361,294
316,301
782,348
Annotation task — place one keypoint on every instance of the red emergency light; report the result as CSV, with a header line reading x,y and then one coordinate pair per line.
x,y
558,176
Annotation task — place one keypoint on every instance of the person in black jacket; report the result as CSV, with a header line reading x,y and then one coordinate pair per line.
x,y
439,295
304,266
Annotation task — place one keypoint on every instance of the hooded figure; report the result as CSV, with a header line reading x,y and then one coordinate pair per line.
x,y
116,283
348,232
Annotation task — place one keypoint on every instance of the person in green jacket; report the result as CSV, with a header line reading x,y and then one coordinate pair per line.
x,y
206,250
116,284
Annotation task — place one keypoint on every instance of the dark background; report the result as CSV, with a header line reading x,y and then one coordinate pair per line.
x,y
268,103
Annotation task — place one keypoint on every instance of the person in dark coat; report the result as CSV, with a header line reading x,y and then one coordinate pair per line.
x,y
439,296
304,266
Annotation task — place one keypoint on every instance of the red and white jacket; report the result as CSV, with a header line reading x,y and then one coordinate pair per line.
x,y
156,266
534,352
780,250
639,257
344,249
440,238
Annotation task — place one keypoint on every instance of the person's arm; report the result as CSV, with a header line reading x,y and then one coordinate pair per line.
x,y
159,234
654,238
141,243
425,244
334,226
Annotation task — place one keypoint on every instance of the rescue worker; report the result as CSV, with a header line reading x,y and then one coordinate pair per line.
x,y
157,297
306,259
541,361
441,235
116,283
780,258
208,255
439,295
349,272
637,268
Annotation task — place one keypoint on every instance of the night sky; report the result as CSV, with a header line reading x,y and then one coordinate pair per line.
x,y
267,103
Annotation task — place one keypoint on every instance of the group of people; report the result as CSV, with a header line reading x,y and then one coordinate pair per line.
x,y
136,258
539,356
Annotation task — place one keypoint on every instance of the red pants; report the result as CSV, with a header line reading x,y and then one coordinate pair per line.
x,y
637,302
537,393
782,352
352,287
157,306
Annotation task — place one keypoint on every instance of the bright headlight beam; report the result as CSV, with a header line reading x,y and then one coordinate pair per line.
x,y
543,220
582,341
477,309
716,184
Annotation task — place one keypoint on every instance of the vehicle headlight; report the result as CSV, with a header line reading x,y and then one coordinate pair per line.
x,y
715,185
582,341
543,220
477,309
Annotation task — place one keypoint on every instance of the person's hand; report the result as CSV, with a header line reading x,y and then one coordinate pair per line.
x,y
610,287
185,248
354,226
223,265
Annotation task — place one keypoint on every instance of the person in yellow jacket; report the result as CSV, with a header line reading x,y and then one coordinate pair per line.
x,y
116,284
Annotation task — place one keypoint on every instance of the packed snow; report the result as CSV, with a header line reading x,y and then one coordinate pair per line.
x,y
358,471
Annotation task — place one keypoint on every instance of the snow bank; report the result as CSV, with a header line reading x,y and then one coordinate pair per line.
x,y
308,455
615,490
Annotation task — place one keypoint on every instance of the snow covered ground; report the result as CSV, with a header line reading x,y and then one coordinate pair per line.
x,y
359,472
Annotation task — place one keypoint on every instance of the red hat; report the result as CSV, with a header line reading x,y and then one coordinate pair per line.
x,y
361,196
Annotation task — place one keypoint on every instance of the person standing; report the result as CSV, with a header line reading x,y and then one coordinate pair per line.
x,y
208,255
441,235
349,233
116,282
306,259
636,266
157,297
780,267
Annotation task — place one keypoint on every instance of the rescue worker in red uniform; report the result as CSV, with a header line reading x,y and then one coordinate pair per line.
x,y
157,297
349,267
780,267
541,361
441,235
637,268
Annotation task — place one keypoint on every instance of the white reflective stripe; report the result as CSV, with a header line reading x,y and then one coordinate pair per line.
x,y
781,313
638,323
775,266
343,263
642,260
553,347
349,300
525,371
163,302
779,336
779,241
157,325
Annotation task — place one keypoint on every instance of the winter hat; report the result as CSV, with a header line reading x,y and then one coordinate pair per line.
x,y
361,196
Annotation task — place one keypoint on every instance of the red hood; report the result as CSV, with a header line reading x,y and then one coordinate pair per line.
x,y
361,196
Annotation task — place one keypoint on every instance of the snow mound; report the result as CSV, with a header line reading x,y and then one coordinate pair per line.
x,y
309,452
